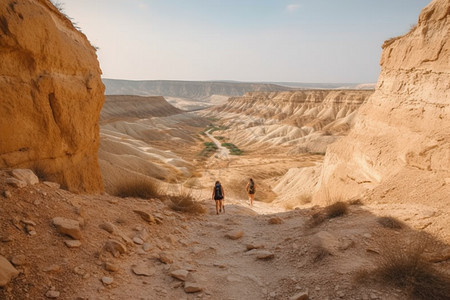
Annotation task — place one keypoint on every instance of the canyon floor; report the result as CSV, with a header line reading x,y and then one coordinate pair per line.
x,y
143,249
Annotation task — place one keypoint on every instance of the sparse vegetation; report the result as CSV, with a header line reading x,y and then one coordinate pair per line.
x,y
233,149
334,210
210,148
211,128
184,202
403,265
220,138
139,188
390,222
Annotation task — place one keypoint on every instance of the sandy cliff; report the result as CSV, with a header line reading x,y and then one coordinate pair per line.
x,y
306,120
51,95
400,143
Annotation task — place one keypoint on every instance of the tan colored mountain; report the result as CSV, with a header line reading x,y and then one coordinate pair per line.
x,y
51,96
304,121
142,139
399,148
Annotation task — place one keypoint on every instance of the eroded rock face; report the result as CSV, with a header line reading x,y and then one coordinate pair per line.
x,y
306,121
403,132
51,96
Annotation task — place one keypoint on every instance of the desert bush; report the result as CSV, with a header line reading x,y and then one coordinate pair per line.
x,y
139,188
390,222
184,202
336,209
403,264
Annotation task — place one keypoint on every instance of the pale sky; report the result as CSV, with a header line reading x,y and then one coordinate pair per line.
x,y
310,41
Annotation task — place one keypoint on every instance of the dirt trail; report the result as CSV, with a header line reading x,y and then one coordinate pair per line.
x,y
222,152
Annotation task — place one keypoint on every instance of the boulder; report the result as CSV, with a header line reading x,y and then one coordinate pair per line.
x,y
7,271
68,227
51,93
25,175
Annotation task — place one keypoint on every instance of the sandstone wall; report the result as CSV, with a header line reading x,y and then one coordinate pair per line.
x,y
51,95
402,134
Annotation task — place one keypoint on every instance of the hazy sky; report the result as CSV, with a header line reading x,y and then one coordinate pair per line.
x,y
244,40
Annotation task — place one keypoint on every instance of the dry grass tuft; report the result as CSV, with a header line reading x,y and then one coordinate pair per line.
x,y
331,211
404,265
304,199
143,189
336,209
186,203
390,222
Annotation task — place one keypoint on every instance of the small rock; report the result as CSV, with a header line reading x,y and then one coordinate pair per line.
x,y
19,260
138,241
147,247
28,222
30,230
111,267
265,255
115,248
165,258
367,235
25,175
180,274
340,294
79,270
142,270
7,194
145,216
68,227
373,296
275,221
110,228
192,287
235,235
253,246
107,280
72,243
7,271
52,268
16,182
52,294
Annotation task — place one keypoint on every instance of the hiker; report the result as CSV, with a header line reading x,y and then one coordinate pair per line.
x,y
251,189
218,195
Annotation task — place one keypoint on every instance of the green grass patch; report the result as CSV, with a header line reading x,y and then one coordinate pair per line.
x,y
210,148
233,149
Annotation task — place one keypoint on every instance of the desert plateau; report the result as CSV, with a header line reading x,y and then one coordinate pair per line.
x,y
107,185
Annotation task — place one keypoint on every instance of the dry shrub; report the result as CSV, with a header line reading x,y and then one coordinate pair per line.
x,y
184,202
140,188
336,209
390,222
331,211
404,265
356,201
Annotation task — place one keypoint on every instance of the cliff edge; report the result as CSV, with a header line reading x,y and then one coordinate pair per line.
x,y
400,144
51,94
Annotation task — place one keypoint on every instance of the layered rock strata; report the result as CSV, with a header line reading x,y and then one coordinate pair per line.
x,y
307,120
51,96
401,136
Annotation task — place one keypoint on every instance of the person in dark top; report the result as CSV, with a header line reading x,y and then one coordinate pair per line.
x,y
218,195
251,190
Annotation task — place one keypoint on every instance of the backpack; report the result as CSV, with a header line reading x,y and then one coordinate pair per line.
x,y
218,192
251,188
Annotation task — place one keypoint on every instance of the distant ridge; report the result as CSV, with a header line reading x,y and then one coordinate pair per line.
x,y
186,89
